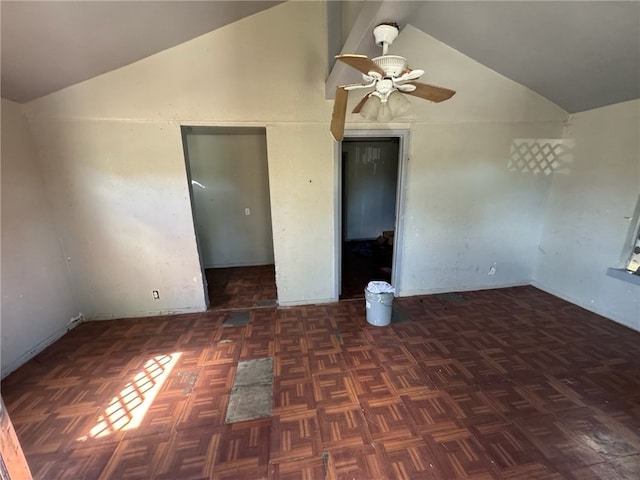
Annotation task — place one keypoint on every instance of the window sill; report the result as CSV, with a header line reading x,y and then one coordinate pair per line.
x,y
624,275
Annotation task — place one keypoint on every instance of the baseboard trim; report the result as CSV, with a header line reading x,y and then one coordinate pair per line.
x,y
24,358
142,314
467,288
297,303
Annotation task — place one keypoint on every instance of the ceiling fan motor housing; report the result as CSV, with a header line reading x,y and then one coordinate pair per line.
x,y
393,65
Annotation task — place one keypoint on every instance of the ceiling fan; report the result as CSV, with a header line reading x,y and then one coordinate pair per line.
x,y
389,76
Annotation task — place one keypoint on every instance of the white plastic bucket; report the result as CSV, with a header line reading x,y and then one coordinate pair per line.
x,y
378,307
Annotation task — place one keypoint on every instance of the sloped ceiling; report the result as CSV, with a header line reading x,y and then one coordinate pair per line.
x,y
49,45
580,55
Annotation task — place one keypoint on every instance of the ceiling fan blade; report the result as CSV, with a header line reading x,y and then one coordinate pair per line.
x,y
362,63
339,114
361,103
430,92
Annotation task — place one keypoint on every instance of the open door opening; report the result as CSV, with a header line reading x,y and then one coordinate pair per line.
x,y
370,168
229,185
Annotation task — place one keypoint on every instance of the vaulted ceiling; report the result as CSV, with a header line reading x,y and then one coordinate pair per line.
x,y
580,55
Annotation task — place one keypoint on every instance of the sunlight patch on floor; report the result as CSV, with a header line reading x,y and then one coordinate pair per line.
x,y
127,410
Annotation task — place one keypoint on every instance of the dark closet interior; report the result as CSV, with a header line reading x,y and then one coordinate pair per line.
x,y
369,184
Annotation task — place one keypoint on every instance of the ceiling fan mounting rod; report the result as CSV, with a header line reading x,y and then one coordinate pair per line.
x,y
385,34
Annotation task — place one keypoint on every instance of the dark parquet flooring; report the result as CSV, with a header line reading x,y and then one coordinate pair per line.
x,y
241,287
509,384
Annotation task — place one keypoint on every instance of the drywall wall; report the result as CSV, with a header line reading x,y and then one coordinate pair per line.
x,y
114,142
230,185
37,299
121,202
301,177
473,214
112,145
472,219
589,221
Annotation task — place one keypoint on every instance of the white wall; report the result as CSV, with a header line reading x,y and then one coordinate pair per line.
x,y
229,174
301,175
588,222
121,202
466,210
37,299
112,148
117,141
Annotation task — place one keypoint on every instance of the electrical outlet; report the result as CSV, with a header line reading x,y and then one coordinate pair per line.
x,y
75,320
156,294
247,211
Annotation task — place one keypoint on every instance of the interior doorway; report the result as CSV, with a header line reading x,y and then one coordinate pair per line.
x,y
371,179
229,186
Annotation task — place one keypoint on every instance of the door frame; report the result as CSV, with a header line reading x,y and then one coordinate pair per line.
x,y
217,130
403,160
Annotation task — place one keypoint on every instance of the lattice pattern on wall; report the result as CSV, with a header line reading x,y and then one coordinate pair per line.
x,y
538,156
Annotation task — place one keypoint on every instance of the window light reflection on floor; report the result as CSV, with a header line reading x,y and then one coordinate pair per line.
x,y
128,408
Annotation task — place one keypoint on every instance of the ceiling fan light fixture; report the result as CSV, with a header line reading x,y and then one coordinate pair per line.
x,y
375,109
398,104
371,108
385,114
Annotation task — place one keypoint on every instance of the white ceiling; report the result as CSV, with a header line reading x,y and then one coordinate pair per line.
x,y
580,55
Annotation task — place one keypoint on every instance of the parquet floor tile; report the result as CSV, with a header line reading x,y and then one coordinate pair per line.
x,y
406,380
244,445
556,444
81,463
387,419
335,389
460,455
343,426
191,456
509,449
310,468
241,287
295,435
433,412
506,384
410,459
138,458
447,372
365,356
293,395
372,383
483,368
292,365
472,404
327,362
357,463
204,408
